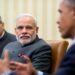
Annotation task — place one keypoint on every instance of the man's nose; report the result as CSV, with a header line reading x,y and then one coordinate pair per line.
x,y
24,29
58,21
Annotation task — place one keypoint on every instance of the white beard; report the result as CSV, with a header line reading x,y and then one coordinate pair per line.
x,y
26,41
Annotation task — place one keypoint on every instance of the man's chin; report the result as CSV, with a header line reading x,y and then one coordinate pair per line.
x,y
25,42
65,36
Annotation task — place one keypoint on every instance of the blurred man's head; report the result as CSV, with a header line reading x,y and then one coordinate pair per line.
x,y
66,21
1,26
26,28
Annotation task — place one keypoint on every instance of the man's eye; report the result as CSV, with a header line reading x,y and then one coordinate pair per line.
x,y
20,27
29,27
26,27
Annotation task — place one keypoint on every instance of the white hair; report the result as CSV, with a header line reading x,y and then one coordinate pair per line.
x,y
27,15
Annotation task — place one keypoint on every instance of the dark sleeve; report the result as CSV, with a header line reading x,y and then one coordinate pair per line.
x,y
41,59
67,66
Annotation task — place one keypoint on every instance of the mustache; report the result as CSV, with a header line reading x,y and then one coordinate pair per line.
x,y
24,36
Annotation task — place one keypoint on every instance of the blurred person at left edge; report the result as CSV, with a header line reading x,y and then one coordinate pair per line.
x,y
5,37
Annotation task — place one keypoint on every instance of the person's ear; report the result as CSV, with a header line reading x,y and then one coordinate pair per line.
x,y
15,30
37,28
3,23
73,13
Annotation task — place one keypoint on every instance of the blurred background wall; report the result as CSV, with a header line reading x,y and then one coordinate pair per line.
x,y
45,12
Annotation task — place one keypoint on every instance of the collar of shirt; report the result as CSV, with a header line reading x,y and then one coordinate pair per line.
x,y
73,41
39,73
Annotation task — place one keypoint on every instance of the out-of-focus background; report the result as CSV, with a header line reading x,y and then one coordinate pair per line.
x,y
45,12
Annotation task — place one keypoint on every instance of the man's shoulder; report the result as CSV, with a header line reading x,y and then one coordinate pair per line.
x,y
41,45
10,36
9,33
42,42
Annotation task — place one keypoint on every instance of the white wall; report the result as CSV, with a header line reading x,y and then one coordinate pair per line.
x,y
44,10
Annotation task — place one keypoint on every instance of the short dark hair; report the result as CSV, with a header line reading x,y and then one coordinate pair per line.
x,y
70,3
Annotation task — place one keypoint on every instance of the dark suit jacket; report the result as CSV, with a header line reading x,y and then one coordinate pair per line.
x,y
38,51
67,66
5,40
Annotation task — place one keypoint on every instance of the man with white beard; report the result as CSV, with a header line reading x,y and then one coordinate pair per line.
x,y
28,43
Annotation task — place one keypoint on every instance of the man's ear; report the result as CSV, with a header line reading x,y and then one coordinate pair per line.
x,y
37,28
15,30
74,13
3,23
